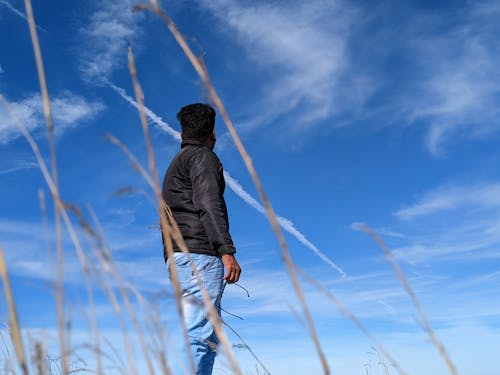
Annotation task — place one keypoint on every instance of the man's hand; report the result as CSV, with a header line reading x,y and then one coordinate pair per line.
x,y
232,267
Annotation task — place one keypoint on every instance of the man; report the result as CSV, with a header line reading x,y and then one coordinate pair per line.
x,y
193,187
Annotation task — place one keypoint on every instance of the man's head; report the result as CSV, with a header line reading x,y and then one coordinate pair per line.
x,y
197,122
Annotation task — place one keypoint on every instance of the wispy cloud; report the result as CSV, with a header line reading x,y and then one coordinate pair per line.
x,y
69,110
453,198
234,185
460,248
453,222
301,48
460,89
9,166
103,40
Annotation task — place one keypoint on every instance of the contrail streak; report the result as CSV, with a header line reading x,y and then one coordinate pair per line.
x,y
284,223
19,13
233,184
157,120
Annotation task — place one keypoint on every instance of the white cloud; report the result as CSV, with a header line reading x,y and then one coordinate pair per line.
x,y
68,111
461,85
444,248
104,37
302,47
452,223
471,235
453,198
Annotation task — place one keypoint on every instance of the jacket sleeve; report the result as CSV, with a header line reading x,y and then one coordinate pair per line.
x,y
207,182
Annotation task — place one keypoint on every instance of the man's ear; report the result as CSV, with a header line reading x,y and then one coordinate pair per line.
x,y
182,135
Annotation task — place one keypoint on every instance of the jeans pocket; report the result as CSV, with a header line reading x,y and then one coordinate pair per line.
x,y
181,260
209,262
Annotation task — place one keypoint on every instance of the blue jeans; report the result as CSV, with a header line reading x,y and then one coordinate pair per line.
x,y
202,338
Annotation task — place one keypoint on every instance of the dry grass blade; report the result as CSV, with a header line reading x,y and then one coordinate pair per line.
x,y
94,328
41,75
5,350
202,71
38,358
406,285
139,94
52,145
14,328
344,310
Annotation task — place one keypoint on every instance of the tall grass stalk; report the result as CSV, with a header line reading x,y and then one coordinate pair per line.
x,y
406,285
94,328
202,71
5,349
52,146
153,176
14,327
38,358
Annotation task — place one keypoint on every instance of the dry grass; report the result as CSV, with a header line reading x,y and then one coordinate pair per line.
x,y
14,327
52,144
104,273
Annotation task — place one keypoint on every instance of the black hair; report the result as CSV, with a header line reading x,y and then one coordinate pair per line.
x,y
197,121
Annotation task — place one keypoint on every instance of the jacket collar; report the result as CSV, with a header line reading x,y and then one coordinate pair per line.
x,y
193,142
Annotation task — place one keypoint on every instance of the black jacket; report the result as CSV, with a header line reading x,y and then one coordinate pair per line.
x,y
193,187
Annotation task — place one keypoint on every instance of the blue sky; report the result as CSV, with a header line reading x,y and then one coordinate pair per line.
x,y
353,112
